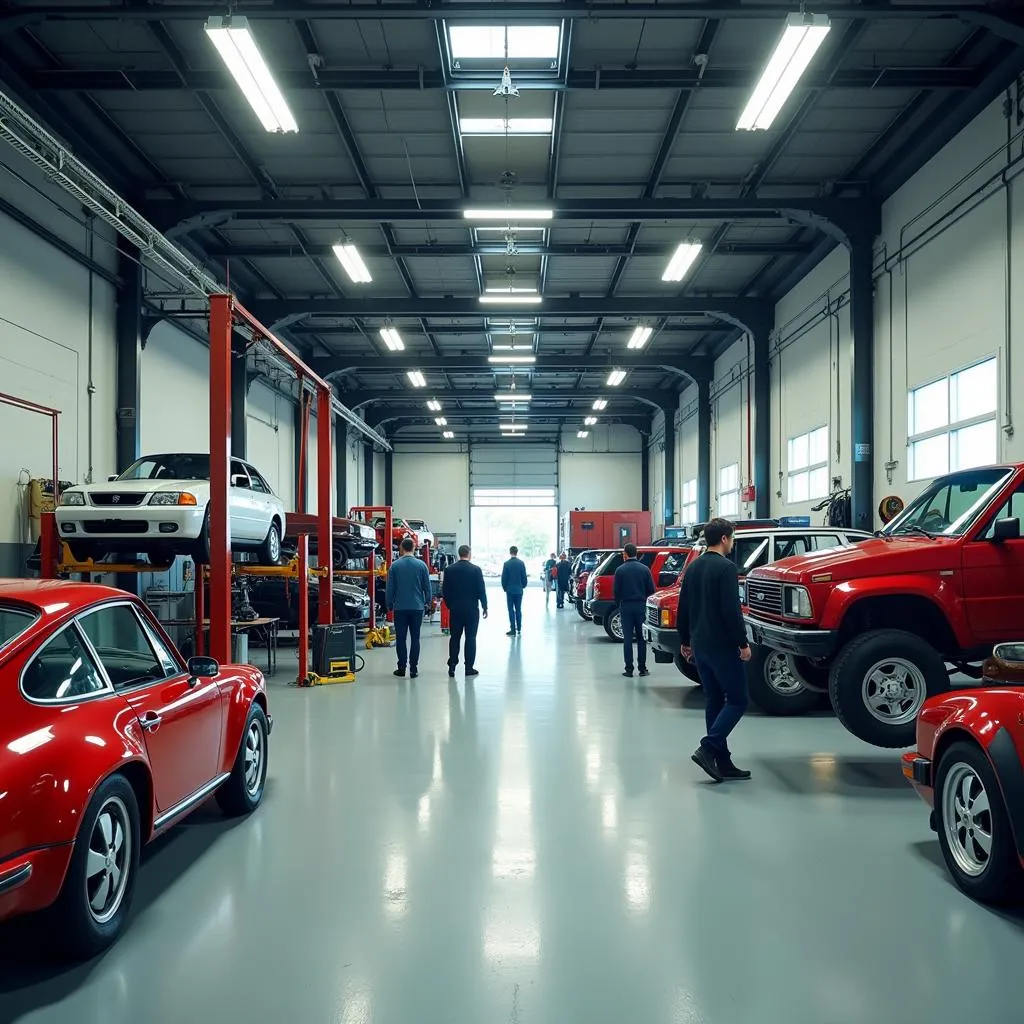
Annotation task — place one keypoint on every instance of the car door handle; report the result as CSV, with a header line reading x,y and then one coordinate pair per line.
x,y
150,721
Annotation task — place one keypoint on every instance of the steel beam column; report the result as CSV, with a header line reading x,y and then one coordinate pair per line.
x,y
704,450
239,396
669,496
341,467
325,503
389,480
220,477
645,472
368,474
762,425
301,440
862,405
128,329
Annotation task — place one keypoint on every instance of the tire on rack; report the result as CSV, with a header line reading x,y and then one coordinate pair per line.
x,y
971,815
613,624
774,685
243,790
201,545
95,899
688,668
879,682
269,552
82,551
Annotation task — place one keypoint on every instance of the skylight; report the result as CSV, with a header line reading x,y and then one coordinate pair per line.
x,y
499,125
488,42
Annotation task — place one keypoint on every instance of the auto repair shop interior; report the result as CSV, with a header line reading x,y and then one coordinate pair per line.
x,y
284,284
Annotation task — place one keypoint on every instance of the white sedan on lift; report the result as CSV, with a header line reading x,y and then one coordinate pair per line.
x,y
160,506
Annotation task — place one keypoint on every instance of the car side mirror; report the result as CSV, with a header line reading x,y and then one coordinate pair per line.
x,y
203,668
238,480
113,476
1012,654
1006,529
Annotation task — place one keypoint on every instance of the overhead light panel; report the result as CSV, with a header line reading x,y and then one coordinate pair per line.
x,y
416,379
501,42
448,435
512,426
616,377
349,258
507,298
802,36
237,47
392,339
506,213
511,396
508,360
682,259
590,421
441,421
639,337
505,126
434,405
582,433
600,405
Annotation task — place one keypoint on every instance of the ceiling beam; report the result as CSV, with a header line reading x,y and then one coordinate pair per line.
x,y
658,399
549,332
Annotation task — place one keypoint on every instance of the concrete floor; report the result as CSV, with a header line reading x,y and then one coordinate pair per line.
x,y
536,847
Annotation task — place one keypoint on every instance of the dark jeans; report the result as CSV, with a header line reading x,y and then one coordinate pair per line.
x,y
724,679
632,613
462,622
408,650
562,591
515,612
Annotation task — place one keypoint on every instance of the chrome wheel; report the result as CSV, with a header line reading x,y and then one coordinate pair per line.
x,y
274,544
894,690
254,747
615,624
108,861
779,675
967,819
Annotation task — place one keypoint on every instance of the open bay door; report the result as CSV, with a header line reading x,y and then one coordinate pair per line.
x,y
514,474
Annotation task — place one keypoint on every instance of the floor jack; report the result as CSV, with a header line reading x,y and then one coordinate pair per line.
x,y
340,670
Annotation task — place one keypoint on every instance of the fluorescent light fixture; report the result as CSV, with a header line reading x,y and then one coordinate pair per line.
x,y
416,379
348,256
682,260
502,126
505,289
616,377
448,435
507,298
392,339
582,433
512,426
494,42
511,396
441,421
234,42
434,405
590,421
600,405
506,360
803,34
639,337
506,213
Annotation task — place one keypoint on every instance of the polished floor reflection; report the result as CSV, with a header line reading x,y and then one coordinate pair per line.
x,y
536,847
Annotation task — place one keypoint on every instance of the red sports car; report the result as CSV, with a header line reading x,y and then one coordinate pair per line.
x,y
108,738
968,769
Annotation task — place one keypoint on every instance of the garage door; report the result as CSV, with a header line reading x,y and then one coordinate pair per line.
x,y
507,474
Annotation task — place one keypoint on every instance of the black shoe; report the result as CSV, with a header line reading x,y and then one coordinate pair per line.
x,y
399,672
729,771
644,672
511,632
472,672
628,673
413,673
705,760
451,673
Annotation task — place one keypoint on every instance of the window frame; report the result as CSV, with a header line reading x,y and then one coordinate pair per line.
x,y
951,427
107,690
485,67
729,493
811,467
689,486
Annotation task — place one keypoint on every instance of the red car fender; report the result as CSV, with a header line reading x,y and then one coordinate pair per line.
x,y
240,685
841,598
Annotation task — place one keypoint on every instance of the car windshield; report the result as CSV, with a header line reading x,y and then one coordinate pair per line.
x,y
416,524
13,622
169,467
951,504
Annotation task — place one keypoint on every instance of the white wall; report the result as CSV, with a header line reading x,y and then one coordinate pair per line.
x,y
686,446
431,482
656,473
601,471
729,420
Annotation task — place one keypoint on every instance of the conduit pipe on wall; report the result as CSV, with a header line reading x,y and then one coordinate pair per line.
x,y
90,388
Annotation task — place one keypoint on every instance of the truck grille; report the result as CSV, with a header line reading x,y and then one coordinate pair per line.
x,y
652,616
115,526
764,595
120,498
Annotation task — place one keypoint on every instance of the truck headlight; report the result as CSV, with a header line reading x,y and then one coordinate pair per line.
x,y
72,498
173,498
665,617
797,602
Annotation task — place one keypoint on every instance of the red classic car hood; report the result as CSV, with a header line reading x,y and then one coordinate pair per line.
x,y
876,557
668,596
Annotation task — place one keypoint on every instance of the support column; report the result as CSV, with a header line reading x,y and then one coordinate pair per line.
x,y
645,472
368,474
341,467
862,405
704,449
239,396
669,496
325,502
128,328
220,476
389,470
762,424
301,453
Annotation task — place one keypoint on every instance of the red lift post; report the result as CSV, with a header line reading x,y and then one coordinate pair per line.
x,y
368,512
225,313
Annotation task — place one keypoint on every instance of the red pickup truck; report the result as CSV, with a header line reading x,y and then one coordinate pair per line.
x,y
892,618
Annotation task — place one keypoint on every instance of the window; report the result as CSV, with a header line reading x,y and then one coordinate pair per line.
x,y
14,622
750,552
492,43
951,423
949,506
729,490
1012,509
800,544
689,511
258,483
62,670
169,467
670,570
542,497
501,125
124,647
808,466
240,475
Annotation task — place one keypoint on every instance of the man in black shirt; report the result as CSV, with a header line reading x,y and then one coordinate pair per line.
x,y
711,631
465,594
631,586
564,571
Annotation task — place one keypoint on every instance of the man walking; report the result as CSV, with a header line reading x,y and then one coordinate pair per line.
x,y
465,594
549,576
513,582
631,586
564,571
711,630
408,596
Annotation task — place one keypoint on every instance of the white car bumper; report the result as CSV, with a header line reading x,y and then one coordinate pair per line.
x,y
168,523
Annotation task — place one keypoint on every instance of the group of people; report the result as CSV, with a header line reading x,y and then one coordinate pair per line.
x,y
709,622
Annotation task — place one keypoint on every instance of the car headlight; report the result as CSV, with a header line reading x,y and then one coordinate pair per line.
x,y
797,602
72,498
665,616
173,498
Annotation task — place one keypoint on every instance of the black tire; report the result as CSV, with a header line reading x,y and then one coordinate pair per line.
x,y
613,625
773,685
81,930
201,547
82,551
269,552
581,609
815,676
242,792
688,668
992,877
661,657
849,685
